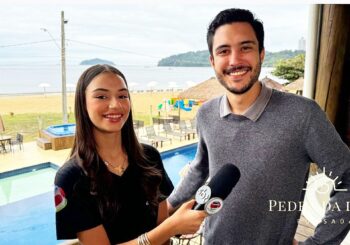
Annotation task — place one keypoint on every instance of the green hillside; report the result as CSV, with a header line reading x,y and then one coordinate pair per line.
x,y
271,58
200,58
96,61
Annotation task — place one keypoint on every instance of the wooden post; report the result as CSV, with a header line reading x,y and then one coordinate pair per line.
x,y
334,35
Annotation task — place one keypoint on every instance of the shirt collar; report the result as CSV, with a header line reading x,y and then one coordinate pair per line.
x,y
255,110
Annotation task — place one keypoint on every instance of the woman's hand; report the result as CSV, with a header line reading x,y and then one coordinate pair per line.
x,y
187,221
183,221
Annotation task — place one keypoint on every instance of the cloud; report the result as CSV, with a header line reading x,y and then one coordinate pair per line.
x,y
134,31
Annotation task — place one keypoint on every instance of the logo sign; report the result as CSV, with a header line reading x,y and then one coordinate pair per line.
x,y
203,194
214,205
60,199
326,183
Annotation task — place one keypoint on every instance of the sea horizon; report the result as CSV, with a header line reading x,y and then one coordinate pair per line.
x,y
34,80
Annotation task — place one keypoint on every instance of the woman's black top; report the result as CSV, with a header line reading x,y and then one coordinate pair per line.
x,y
77,209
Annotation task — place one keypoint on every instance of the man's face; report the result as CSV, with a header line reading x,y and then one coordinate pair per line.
x,y
236,58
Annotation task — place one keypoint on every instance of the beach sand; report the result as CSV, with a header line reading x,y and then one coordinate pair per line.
x,y
141,104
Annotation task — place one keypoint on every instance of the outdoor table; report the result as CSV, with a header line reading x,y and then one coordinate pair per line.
x,y
162,120
3,140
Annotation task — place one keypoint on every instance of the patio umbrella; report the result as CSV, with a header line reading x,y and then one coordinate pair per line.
x,y
190,83
71,86
204,91
173,85
152,84
44,86
296,85
132,85
272,83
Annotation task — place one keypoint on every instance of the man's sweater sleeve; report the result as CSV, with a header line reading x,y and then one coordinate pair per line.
x,y
195,177
325,147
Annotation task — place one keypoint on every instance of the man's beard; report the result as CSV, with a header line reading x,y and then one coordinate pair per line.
x,y
253,79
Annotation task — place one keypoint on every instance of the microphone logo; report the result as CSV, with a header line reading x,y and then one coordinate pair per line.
x,y
203,194
214,205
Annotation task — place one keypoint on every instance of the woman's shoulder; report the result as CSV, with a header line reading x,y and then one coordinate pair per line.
x,y
155,160
150,151
153,157
69,174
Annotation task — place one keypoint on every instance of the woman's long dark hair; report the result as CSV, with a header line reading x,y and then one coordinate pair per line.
x,y
85,151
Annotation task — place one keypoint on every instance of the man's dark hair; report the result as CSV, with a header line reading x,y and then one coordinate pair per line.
x,y
229,16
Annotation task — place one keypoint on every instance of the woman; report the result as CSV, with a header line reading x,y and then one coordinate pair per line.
x,y
112,190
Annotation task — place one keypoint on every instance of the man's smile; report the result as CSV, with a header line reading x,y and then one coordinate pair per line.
x,y
239,70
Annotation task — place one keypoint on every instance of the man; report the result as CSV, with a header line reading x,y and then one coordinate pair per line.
x,y
271,137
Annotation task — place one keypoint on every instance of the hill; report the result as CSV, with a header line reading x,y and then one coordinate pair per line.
x,y
272,57
96,61
197,58
200,58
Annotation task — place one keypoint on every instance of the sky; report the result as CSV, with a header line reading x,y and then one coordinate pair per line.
x,y
130,32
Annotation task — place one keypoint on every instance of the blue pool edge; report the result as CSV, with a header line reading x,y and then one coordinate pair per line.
x,y
29,169
173,151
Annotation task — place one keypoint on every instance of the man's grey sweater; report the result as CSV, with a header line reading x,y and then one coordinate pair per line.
x,y
273,154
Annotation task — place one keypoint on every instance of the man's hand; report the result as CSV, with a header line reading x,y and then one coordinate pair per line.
x,y
295,242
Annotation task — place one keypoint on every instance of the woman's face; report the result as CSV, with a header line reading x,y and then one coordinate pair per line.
x,y
107,102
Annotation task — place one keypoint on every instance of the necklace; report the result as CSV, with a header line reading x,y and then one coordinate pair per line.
x,y
119,170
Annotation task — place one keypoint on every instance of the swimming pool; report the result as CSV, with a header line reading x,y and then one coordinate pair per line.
x,y
33,182
175,160
26,205
62,130
28,217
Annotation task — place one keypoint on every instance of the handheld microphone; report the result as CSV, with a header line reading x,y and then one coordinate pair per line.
x,y
210,197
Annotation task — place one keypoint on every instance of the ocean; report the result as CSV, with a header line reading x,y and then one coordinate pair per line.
x,y
39,79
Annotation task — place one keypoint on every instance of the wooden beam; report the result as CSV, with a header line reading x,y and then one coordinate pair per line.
x,y
334,36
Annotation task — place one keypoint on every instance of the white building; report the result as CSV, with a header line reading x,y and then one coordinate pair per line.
x,y
301,44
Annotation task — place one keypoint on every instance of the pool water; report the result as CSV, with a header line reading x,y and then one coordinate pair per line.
x,y
175,160
62,130
26,207
29,221
26,185
27,212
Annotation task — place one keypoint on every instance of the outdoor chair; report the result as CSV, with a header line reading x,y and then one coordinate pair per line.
x,y
151,135
155,120
193,124
185,129
169,131
137,125
3,142
18,141
147,142
176,120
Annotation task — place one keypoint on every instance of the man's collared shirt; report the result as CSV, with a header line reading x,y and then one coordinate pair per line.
x,y
255,110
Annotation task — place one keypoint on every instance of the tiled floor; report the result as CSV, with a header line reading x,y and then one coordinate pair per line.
x,y
30,155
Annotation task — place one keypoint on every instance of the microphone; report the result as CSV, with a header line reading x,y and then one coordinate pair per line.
x,y
210,197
